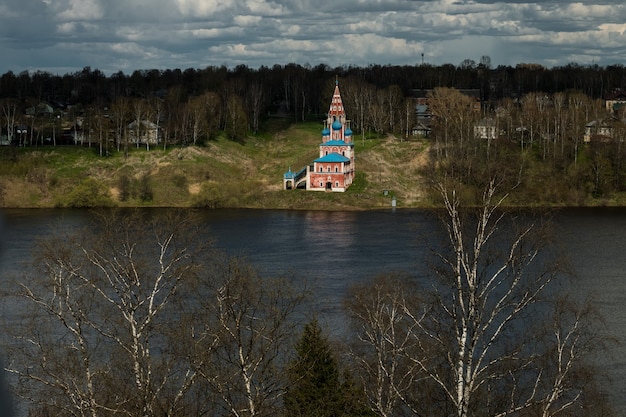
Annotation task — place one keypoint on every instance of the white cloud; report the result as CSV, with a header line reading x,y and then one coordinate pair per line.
x,y
291,30
264,7
215,32
203,8
247,20
82,10
613,28
588,11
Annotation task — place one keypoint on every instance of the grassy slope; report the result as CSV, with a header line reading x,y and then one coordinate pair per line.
x,y
220,174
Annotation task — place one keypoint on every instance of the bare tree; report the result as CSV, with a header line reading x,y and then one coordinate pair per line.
x,y
120,112
105,311
253,318
385,317
139,110
236,119
203,115
379,111
197,119
255,100
357,95
408,119
9,116
394,102
454,115
96,123
488,357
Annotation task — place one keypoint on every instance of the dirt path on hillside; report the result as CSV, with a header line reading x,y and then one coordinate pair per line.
x,y
397,166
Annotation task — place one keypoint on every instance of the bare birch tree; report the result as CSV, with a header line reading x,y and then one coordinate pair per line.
x,y
120,113
254,320
9,116
385,317
490,352
101,340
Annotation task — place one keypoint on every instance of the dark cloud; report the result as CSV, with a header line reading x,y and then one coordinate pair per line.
x,y
125,35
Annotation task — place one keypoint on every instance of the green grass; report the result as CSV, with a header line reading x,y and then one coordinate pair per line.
x,y
220,173
359,185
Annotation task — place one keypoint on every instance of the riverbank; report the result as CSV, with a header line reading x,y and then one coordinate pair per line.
x,y
227,174
219,174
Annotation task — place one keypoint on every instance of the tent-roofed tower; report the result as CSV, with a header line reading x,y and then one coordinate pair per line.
x,y
334,169
336,113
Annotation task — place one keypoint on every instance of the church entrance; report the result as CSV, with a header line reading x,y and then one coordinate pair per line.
x,y
329,186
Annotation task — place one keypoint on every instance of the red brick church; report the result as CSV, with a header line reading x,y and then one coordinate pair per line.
x,y
334,169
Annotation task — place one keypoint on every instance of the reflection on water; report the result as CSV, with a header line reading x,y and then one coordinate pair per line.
x,y
336,229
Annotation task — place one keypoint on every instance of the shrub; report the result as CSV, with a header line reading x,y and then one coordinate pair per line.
x,y
145,189
89,193
210,196
124,187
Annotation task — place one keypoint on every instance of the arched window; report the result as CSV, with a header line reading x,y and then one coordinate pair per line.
x,y
336,169
320,168
328,169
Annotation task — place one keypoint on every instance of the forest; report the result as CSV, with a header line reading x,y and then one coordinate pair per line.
x,y
539,116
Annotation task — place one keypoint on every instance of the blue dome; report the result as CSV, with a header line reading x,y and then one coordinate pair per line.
x,y
326,131
336,125
348,132
289,174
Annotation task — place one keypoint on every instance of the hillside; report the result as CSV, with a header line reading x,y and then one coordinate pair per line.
x,y
221,173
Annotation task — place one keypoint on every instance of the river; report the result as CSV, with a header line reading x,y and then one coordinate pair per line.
x,y
333,250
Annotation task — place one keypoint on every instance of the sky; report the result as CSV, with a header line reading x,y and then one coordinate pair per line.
x,y
64,36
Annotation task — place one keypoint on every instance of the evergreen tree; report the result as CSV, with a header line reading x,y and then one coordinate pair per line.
x,y
314,385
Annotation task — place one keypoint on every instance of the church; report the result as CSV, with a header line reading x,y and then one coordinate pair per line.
x,y
333,171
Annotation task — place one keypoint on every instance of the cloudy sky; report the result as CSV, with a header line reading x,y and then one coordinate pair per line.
x,y
62,36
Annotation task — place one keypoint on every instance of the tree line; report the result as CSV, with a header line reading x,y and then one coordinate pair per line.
x,y
237,99
289,81
141,317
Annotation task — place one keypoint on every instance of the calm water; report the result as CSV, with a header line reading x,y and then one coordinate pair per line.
x,y
333,250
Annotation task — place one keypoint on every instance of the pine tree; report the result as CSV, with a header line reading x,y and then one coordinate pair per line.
x,y
317,387
314,385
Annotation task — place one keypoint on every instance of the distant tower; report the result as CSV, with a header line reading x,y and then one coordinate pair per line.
x,y
334,169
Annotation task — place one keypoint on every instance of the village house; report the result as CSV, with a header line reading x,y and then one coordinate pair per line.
x,y
334,169
144,132
423,114
486,129
613,126
614,100
605,130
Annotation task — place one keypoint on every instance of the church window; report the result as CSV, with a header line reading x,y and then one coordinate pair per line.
x,y
336,169
320,168
328,169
